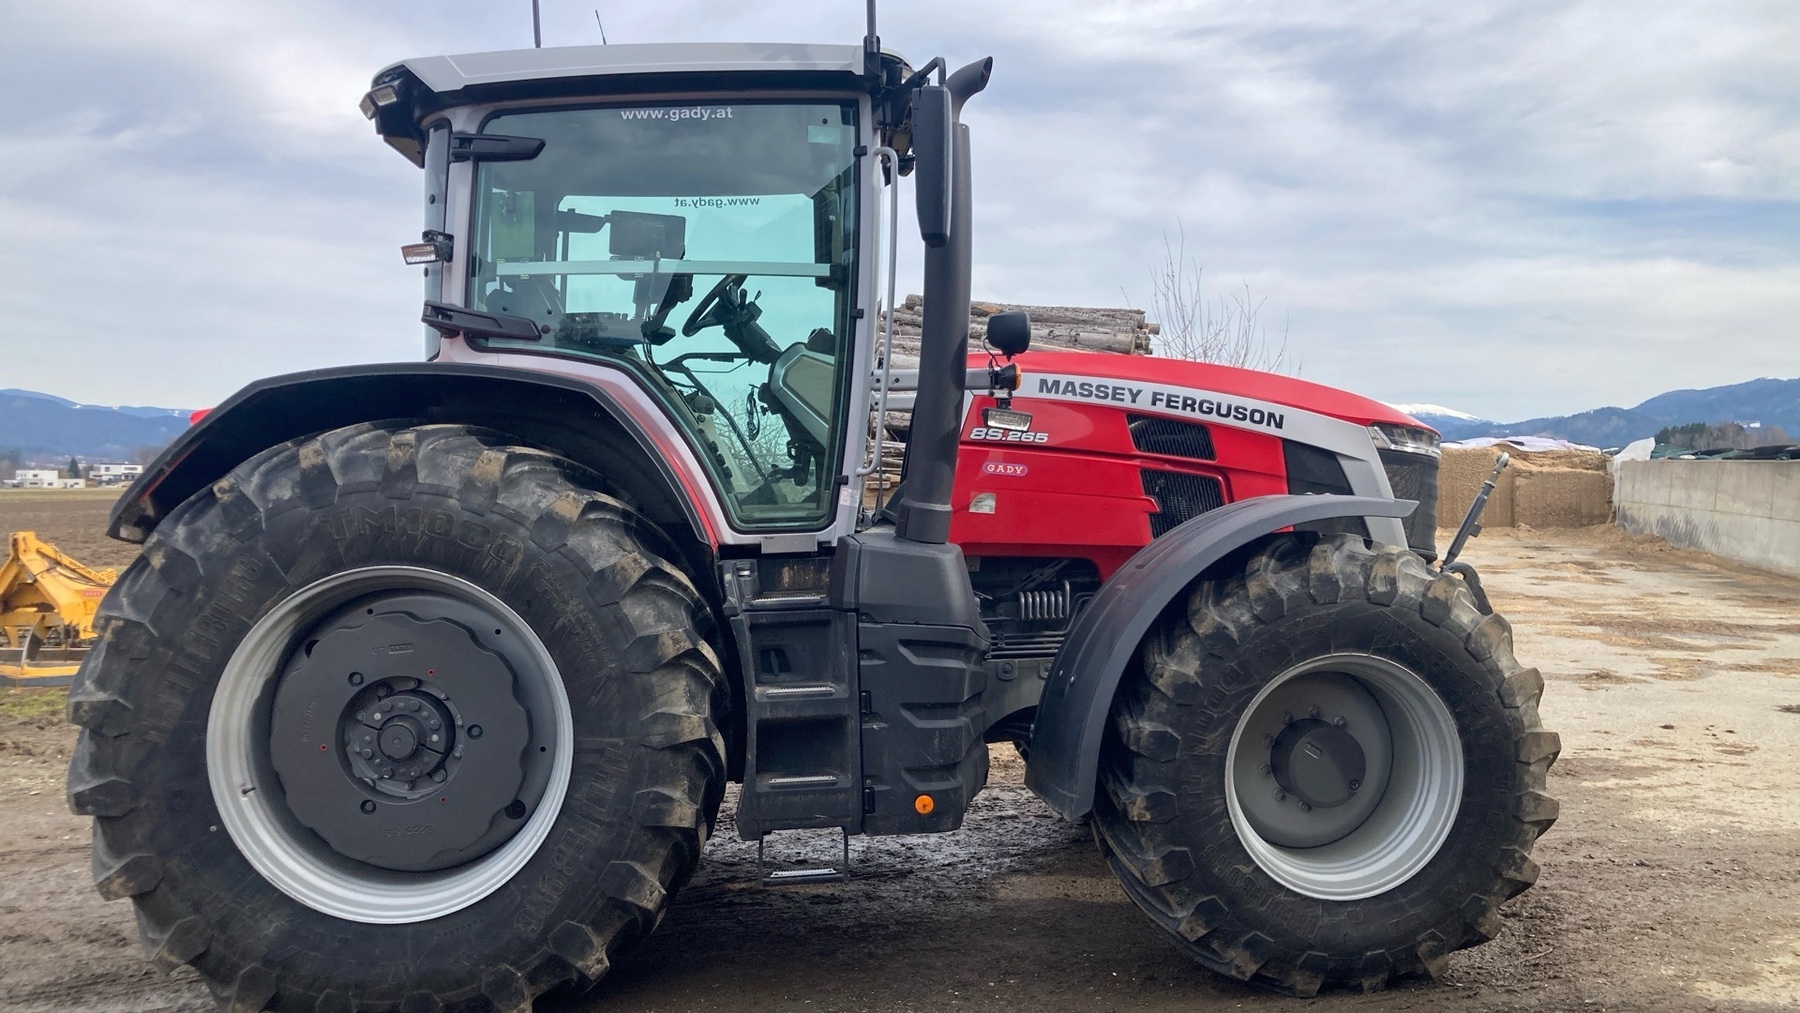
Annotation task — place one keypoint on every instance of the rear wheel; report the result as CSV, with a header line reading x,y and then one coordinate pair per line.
x,y
398,717
1329,770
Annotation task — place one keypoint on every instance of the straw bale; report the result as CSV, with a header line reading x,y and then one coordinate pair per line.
x,y
1460,474
1562,498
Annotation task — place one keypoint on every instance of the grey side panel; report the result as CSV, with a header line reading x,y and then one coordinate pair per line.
x,y
1065,742
281,408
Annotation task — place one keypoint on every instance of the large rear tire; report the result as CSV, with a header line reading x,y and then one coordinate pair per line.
x,y
515,713
1328,771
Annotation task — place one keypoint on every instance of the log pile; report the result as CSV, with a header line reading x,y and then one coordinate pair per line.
x,y
1084,328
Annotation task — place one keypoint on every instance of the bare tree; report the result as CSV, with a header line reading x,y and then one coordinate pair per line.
x,y
1226,329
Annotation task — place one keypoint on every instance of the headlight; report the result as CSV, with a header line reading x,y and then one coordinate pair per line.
x,y
1406,438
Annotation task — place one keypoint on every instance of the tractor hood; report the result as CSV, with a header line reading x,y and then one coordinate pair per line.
x,y
1204,376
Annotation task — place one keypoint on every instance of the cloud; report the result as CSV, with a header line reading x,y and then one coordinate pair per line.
x,y
1590,194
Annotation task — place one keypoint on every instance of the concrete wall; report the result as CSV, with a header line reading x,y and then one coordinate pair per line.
x,y
1743,510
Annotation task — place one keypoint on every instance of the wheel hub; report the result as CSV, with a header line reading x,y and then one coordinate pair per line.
x,y
399,736
1319,763
399,740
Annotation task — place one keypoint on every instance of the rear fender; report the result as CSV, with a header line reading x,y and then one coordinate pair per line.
x,y
1072,714
572,417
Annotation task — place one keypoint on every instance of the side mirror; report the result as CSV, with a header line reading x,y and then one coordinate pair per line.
x,y
931,144
1010,332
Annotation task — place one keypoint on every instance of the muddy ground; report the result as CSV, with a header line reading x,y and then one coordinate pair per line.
x,y
1672,880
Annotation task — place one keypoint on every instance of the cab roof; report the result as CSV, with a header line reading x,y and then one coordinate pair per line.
x,y
453,73
405,94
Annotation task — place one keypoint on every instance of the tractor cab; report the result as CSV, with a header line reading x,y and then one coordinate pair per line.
x,y
701,218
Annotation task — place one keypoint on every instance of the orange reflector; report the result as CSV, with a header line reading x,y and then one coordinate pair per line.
x,y
924,805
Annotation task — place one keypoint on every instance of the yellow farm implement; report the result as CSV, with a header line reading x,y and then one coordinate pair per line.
x,y
47,607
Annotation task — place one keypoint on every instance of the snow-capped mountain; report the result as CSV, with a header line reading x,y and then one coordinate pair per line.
x,y
1441,418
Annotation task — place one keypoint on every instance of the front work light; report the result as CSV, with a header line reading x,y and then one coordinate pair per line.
x,y
435,248
385,95
1406,438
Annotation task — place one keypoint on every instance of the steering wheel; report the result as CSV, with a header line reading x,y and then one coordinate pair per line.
x,y
707,313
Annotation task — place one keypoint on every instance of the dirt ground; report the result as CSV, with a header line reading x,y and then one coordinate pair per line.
x,y
1672,880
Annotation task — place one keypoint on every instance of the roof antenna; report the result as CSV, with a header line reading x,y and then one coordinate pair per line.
x,y
602,25
871,44
537,31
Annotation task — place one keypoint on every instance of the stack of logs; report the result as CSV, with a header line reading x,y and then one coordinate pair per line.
x,y
1082,328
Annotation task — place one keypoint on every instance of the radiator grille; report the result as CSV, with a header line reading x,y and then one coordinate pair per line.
x,y
1153,434
1180,497
1415,477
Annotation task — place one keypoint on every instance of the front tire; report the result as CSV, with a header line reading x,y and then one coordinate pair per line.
x,y
515,713
1328,771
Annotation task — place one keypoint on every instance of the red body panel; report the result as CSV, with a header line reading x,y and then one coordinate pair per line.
x,y
1080,492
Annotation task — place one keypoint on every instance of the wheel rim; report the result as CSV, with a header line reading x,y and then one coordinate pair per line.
x,y
1344,776
489,809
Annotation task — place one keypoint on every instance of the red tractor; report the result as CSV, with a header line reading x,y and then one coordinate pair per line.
x,y
426,689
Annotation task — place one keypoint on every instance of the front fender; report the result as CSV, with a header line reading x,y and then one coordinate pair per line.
x,y
1072,714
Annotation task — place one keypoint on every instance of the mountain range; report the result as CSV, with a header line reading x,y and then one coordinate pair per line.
x,y
1768,402
46,428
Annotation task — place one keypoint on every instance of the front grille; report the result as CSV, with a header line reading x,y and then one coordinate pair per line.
x,y
1153,434
1179,497
1415,477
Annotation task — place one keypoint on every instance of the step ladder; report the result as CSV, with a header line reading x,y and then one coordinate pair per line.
x,y
802,754
806,873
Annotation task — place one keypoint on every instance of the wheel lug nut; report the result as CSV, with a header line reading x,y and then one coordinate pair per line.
x,y
1287,717
368,806
1305,808
1268,740
474,731
1267,770
356,678
438,776
367,754
1314,712
1280,796
1354,785
1340,722
384,691
377,716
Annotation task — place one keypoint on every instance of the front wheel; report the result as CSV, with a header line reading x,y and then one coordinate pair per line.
x,y
1328,771
398,716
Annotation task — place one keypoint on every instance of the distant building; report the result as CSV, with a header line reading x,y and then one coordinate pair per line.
x,y
43,478
114,474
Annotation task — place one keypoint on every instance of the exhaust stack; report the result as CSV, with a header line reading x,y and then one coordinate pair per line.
x,y
924,511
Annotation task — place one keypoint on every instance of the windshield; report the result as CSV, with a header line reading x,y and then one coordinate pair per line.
x,y
710,249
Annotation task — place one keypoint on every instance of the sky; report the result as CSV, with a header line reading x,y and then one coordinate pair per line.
x,y
1515,209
